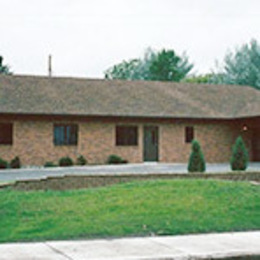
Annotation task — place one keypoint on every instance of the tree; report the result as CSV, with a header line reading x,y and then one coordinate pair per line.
x,y
239,159
196,160
134,69
167,66
200,79
4,69
124,70
164,65
241,67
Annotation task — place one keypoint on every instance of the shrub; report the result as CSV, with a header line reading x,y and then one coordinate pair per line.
x,y
196,160
3,164
15,163
50,164
239,159
115,159
81,160
65,161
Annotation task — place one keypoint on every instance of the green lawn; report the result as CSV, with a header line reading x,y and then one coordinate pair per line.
x,y
140,208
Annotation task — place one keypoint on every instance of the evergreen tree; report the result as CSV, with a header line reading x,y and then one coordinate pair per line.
x,y
239,159
240,67
164,65
4,69
196,160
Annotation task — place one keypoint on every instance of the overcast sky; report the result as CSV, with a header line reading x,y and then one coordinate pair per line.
x,y
86,37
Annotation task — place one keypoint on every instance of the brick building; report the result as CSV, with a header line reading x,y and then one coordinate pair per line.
x,y
43,119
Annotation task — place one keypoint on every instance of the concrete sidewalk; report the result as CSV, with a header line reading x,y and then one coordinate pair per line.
x,y
205,246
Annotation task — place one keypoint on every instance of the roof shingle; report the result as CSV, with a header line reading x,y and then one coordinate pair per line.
x,y
97,97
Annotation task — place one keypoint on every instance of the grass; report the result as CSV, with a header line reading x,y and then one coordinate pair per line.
x,y
138,208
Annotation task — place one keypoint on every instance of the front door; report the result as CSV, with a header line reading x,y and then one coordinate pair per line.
x,y
256,145
151,143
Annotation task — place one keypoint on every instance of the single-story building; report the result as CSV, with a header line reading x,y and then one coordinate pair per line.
x,y
45,118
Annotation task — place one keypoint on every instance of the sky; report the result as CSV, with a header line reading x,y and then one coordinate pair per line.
x,y
86,37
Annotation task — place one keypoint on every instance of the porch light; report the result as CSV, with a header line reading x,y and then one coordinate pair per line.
x,y
245,128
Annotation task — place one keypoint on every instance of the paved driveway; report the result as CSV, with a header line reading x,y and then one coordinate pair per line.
x,y
143,168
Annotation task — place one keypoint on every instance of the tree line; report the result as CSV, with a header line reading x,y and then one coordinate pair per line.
x,y
239,67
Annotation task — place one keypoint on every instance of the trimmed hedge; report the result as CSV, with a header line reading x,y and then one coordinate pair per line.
x,y
81,160
196,160
15,163
240,157
50,164
3,164
65,161
115,159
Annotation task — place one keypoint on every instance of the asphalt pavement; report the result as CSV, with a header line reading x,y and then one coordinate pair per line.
x,y
142,168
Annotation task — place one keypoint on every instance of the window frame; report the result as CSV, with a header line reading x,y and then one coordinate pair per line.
x,y
189,134
125,138
8,138
66,137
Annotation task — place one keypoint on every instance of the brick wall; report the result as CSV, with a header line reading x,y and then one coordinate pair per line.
x,y
91,181
216,140
33,140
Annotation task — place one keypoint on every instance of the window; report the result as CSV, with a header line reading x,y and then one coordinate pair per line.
x,y
6,133
65,134
126,135
189,134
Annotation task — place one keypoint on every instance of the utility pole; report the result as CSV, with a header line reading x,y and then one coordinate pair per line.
x,y
50,65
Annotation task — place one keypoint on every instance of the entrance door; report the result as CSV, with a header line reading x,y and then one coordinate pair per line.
x,y
151,143
256,145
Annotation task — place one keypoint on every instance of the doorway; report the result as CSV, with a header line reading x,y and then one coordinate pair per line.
x,y
151,139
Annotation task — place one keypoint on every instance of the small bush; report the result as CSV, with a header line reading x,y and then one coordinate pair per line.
x,y
3,164
50,164
239,159
115,159
15,163
65,161
81,160
196,160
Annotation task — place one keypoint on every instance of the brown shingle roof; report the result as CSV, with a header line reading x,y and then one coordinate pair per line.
x,y
93,97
